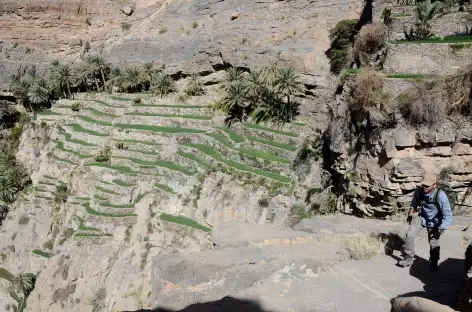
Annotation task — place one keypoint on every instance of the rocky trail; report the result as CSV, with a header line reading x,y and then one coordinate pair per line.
x,y
260,268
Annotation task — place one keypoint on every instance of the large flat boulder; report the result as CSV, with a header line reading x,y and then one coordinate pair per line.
x,y
236,234
187,278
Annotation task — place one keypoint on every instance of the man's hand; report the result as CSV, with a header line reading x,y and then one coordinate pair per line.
x,y
410,216
409,219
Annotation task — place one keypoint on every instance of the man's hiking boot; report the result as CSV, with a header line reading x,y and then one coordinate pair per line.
x,y
407,261
433,266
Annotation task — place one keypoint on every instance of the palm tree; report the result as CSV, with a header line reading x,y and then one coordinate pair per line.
x,y
65,78
33,75
38,95
8,189
425,12
20,90
255,85
13,80
287,84
269,73
92,69
194,86
163,84
103,67
24,282
132,79
235,102
147,73
232,75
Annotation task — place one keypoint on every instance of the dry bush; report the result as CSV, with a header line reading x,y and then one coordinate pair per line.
x,y
370,40
368,89
360,246
457,91
428,107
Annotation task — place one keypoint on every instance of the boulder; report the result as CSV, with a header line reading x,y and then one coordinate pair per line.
x,y
462,149
127,10
439,151
407,167
417,304
405,138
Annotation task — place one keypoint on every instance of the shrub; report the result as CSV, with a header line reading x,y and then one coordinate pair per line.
x,y
387,16
368,89
264,202
162,29
121,146
49,244
431,102
125,26
194,86
195,25
371,39
104,155
342,37
24,219
427,108
61,194
137,100
76,107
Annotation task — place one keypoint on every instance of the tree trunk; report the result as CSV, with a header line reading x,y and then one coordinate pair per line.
x,y
103,79
68,90
96,83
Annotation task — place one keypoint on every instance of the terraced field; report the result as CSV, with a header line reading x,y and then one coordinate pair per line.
x,y
164,143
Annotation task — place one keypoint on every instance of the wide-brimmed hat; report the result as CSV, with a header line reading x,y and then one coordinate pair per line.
x,y
428,179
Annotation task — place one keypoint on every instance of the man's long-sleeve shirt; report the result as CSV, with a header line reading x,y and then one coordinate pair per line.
x,y
429,214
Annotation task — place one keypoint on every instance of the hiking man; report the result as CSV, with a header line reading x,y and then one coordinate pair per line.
x,y
434,214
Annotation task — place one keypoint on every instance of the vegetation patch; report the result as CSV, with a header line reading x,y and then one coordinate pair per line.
x,y
42,253
60,146
104,103
99,113
91,211
79,128
285,146
122,183
342,37
198,160
68,138
63,160
221,138
164,187
184,221
159,163
96,196
447,39
110,205
91,235
197,117
159,129
264,155
6,275
235,137
123,169
119,98
104,190
240,166
98,122
267,129
150,143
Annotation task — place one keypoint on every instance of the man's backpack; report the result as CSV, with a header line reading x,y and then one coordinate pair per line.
x,y
450,193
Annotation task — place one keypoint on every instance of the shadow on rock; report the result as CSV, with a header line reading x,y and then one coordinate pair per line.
x,y
393,242
227,304
442,286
